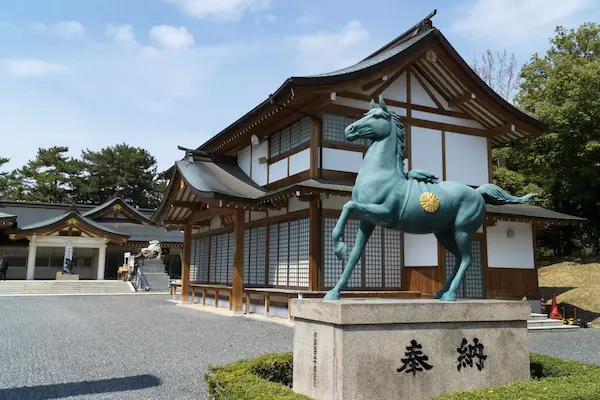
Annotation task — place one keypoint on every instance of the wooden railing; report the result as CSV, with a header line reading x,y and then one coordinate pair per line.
x,y
204,288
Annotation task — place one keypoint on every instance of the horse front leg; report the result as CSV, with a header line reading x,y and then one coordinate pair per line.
x,y
375,213
365,229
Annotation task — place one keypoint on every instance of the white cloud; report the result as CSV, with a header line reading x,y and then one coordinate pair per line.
x,y
122,35
510,22
224,10
64,29
324,51
308,19
31,67
172,38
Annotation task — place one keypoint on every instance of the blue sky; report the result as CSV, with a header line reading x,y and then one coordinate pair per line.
x,y
162,73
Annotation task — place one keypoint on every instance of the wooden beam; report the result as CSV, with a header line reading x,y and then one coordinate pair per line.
x,y
237,291
502,129
387,84
208,213
463,98
192,205
185,263
316,244
426,87
315,143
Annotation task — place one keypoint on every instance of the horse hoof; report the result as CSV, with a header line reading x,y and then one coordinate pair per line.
x,y
340,250
448,297
439,294
332,295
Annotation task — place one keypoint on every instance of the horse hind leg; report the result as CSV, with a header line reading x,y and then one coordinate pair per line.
x,y
463,242
365,229
446,239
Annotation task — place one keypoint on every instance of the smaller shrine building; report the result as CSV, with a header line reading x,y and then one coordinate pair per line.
x,y
36,237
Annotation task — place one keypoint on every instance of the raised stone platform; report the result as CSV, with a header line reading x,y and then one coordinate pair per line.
x,y
66,277
401,348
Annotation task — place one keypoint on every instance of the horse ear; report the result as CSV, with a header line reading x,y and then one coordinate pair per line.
x,y
382,103
373,105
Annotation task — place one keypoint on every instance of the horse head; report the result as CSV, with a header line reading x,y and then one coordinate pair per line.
x,y
376,125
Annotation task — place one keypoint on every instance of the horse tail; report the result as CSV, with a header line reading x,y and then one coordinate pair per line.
x,y
494,194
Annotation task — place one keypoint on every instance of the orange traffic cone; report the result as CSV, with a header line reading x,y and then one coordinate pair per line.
x,y
554,312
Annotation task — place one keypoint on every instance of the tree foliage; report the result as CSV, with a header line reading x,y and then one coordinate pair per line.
x,y
129,171
562,89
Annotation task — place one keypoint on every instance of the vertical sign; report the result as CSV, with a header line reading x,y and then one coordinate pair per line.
x,y
68,253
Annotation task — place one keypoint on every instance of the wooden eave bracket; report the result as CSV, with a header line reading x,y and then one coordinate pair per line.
x,y
462,99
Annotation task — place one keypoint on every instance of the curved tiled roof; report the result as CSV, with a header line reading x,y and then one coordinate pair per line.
x,y
63,217
110,203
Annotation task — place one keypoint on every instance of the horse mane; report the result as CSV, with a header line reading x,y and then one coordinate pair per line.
x,y
401,142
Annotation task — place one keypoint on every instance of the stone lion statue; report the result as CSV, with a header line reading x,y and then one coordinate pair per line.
x,y
153,250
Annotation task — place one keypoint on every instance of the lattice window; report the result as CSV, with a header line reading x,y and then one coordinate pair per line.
x,y
290,137
193,260
472,285
382,266
334,127
289,244
254,256
392,255
221,258
203,253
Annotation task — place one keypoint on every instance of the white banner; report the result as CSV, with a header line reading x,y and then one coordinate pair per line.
x,y
68,253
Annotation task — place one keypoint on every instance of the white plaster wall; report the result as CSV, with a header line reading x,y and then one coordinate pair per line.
x,y
259,171
515,252
420,250
397,90
334,202
275,213
426,150
445,119
342,160
247,216
437,94
365,105
278,170
418,95
256,215
244,160
466,159
215,223
296,205
300,162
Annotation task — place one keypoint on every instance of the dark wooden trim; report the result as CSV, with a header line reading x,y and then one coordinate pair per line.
x,y
339,175
185,263
443,155
237,291
289,153
462,99
424,85
345,146
290,180
315,142
388,83
408,94
316,244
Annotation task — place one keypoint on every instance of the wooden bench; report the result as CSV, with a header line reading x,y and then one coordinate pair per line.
x,y
173,289
204,288
299,293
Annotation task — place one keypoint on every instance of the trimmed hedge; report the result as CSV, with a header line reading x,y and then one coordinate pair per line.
x,y
270,377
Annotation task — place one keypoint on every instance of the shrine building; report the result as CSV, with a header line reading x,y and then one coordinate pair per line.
x,y
35,237
258,201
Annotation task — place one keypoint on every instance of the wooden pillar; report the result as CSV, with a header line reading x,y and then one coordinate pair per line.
x,y
315,147
237,295
185,263
316,243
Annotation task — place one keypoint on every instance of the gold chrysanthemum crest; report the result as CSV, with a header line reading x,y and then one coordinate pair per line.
x,y
429,202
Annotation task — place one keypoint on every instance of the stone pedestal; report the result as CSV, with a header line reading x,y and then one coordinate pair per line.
x,y
413,349
66,277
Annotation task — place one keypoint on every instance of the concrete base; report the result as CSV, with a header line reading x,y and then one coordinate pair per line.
x,y
66,277
413,349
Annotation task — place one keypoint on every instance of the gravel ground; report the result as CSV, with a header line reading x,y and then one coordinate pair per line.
x,y
120,347
580,345
143,347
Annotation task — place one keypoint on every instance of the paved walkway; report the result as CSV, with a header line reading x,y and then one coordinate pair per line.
x,y
121,347
143,347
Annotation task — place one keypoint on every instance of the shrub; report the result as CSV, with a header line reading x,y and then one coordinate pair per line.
x,y
270,377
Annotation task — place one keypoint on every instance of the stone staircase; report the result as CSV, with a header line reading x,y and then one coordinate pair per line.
x,y
541,323
20,288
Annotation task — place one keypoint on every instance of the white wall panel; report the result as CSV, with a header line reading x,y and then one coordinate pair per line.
x,y
296,205
446,119
256,215
278,170
215,223
420,250
334,202
275,213
365,105
243,159
426,150
466,159
342,160
513,252
300,162
397,90
259,171
418,95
